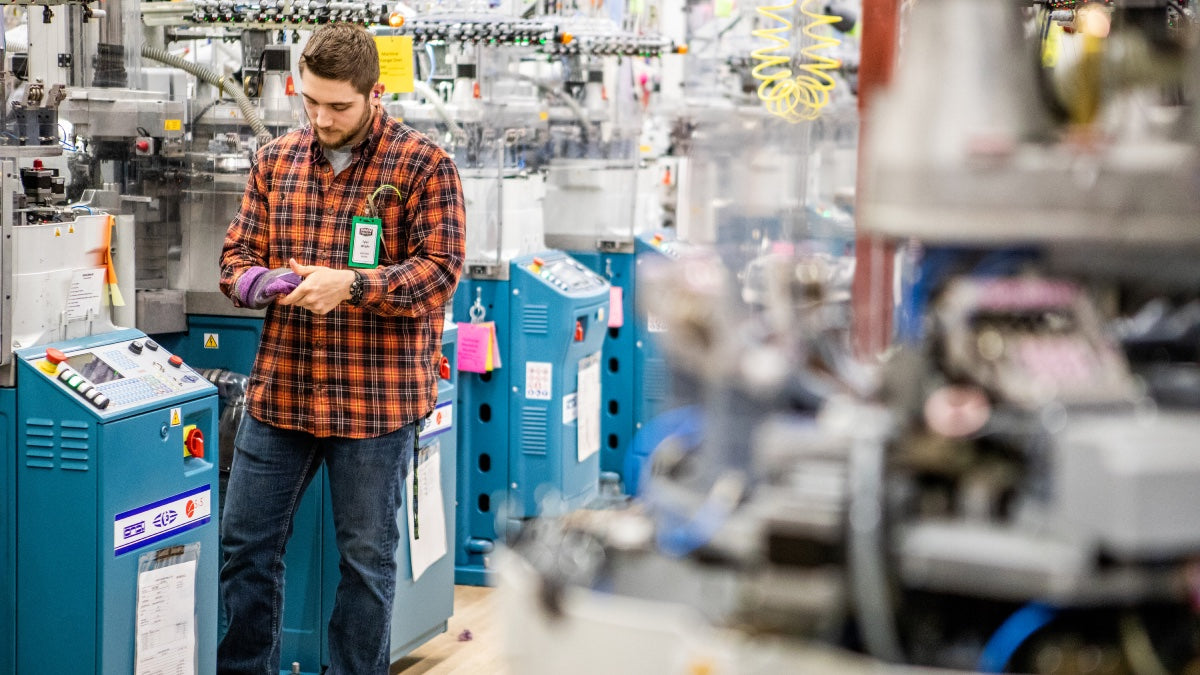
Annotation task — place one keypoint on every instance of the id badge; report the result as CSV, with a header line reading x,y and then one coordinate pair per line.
x,y
364,242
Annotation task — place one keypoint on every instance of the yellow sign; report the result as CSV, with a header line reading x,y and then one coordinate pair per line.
x,y
176,416
395,62
58,231
173,125
212,341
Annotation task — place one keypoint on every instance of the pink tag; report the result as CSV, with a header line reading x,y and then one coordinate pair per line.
x,y
474,342
616,315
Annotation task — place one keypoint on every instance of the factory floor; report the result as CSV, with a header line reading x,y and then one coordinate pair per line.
x,y
471,643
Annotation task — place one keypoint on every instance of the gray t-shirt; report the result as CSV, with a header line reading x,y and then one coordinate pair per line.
x,y
339,158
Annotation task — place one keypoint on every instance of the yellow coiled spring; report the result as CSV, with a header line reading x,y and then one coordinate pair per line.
x,y
802,97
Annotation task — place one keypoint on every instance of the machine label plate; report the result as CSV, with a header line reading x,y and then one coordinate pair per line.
x,y
164,518
539,379
441,420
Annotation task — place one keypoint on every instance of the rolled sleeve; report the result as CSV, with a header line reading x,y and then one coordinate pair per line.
x,y
246,241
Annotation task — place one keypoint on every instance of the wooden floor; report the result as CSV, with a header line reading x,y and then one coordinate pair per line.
x,y
471,643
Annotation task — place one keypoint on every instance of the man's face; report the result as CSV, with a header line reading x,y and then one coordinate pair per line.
x,y
339,113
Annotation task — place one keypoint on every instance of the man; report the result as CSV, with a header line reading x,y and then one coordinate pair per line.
x,y
346,367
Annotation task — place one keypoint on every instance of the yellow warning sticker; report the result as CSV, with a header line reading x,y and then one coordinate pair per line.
x,y
58,231
172,125
176,416
212,341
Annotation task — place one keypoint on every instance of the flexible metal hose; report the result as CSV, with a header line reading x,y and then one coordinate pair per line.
x,y
220,82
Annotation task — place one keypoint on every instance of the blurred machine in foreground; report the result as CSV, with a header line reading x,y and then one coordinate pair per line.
x,y
1010,489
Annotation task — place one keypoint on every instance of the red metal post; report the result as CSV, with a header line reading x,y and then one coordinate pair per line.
x,y
871,295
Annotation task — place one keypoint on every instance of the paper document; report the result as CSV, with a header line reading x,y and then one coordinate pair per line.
x,y
166,620
587,406
84,298
426,515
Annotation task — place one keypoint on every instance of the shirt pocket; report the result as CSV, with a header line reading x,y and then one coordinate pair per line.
x,y
395,234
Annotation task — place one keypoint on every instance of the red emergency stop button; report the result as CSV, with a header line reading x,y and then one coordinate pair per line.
x,y
143,146
49,365
175,360
444,368
193,442
579,331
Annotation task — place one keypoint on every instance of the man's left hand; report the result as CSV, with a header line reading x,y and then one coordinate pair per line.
x,y
321,288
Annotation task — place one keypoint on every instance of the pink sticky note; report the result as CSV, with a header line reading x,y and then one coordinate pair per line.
x,y
616,315
472,347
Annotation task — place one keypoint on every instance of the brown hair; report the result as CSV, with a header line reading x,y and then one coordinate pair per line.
x,y
344,52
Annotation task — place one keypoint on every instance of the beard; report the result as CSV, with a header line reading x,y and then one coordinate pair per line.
x,y
336,140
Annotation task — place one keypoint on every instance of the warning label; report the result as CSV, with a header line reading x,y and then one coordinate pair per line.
x,y
212,341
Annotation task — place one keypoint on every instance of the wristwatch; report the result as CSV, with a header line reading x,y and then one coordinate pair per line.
x,y
356,289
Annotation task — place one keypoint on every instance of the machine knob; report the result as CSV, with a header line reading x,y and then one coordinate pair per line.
x,y
135,347
193,442
175,360
152,345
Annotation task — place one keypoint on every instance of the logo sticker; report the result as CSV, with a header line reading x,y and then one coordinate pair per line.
x,y
441,420
162,519
165,518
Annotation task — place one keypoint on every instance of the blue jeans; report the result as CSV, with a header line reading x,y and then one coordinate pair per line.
x,y
271,469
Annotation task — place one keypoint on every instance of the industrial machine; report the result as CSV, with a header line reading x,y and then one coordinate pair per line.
x,y
106,478
115,427
591,211
509,97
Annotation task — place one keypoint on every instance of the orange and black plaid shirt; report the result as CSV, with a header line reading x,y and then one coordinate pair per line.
x,y
357,372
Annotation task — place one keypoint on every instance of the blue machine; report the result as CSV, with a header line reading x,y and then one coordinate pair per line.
x,y
634,378
519,425
111,482
8,530
422,607
217,342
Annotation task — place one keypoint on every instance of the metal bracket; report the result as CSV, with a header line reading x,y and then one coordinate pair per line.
x,y
479,270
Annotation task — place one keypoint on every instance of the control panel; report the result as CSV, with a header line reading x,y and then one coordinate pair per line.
x,y
668,246
564,273
121,375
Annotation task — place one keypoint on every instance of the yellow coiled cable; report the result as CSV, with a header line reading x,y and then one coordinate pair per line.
x,y
802,97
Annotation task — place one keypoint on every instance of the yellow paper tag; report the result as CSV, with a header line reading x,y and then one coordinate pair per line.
x,y
395,62
114,294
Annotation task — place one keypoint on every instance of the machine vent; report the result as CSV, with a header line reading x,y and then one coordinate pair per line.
x,y
654,380
75,444
535,320
44,443
534,430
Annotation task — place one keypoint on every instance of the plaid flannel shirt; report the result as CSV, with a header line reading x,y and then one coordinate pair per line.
x,y
357,372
